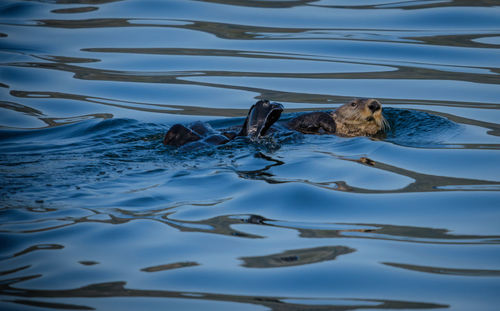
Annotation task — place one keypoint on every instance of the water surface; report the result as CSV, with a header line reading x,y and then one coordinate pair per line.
x,y
96,214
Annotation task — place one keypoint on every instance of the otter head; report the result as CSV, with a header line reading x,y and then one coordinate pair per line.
x,y
360,117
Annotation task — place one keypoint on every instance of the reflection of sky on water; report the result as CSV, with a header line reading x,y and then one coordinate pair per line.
x,y
97,214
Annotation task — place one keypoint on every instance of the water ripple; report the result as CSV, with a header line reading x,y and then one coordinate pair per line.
x,y
95,213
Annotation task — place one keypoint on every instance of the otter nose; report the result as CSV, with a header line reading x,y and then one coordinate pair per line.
x,y
374,105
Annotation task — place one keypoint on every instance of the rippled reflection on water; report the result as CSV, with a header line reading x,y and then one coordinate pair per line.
x,y
97,214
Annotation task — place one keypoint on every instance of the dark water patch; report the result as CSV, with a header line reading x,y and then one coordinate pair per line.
x,y
379,231
66,59
447,271
86,1
426,183
17,9
20,108
49,305
118,289
170,266
218,225
2,273
85,23
297,257
96,2
221,225
262,4
39,247
467,40
413,5
430,234
206,52
88,262
75,10
40,225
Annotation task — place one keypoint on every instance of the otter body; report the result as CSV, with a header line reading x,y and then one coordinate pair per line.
x,y
260,117
360,117
314,123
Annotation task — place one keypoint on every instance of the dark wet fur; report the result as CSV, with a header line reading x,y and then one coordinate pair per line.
x,y
313,123
179,135
261,116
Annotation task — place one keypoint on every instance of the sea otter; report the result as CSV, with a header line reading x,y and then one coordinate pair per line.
x,y
259,119
360,117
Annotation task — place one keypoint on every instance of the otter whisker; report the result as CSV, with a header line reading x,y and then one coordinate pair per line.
x,y
385,124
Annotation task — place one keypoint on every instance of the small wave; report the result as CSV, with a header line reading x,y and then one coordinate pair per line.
x,y
57,136
417,128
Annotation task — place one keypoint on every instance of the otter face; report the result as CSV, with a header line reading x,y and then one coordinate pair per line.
x,y
360,117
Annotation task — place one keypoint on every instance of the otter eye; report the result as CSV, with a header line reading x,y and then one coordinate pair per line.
x,y
353,104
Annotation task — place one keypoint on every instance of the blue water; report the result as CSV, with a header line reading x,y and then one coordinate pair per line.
x,y
96,214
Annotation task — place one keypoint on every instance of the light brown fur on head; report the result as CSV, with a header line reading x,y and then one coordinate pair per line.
x,y
360,117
